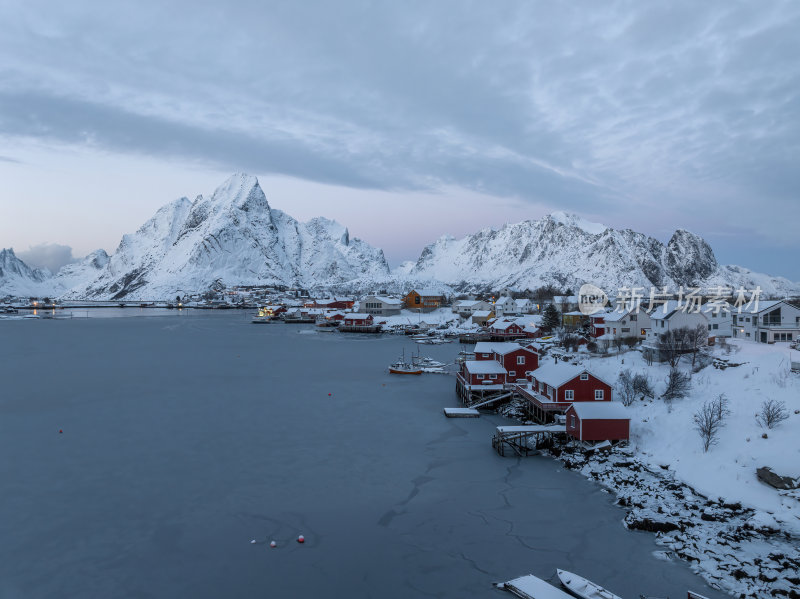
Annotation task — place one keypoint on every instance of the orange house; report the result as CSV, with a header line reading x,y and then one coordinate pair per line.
x,y
424,299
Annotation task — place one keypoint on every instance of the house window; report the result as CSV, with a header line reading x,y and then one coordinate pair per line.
x,y
484,355
584,377
416,299
633,317
598,394
643,332
716,326
520,359
569,395
512,373
492,376
626,330
479,376
572,421
748,334
528,372
734,319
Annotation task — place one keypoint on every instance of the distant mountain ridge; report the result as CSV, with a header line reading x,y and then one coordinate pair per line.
x,y
234,237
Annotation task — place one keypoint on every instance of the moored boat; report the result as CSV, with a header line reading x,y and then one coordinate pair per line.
x,y
403,367
586,589
533,587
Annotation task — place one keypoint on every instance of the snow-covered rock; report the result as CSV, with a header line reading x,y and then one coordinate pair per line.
x,y
233,237
567,251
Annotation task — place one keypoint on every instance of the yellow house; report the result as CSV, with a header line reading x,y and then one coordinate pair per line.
x,y
424,299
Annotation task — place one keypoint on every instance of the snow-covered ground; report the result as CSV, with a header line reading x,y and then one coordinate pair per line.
x,y
709,507
663,436
441,317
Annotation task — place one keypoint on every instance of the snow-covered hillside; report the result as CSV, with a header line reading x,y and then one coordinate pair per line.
x,y
19,279
233,237
566,251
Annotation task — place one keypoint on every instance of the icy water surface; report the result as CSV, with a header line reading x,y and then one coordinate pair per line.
x,y
186,437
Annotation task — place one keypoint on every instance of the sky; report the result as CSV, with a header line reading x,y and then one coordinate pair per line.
x,y
405,120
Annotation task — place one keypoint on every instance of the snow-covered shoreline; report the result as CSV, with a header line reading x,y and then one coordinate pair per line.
x,y
709,508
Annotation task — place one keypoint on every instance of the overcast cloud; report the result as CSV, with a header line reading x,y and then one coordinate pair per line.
x,y
51,256
651,115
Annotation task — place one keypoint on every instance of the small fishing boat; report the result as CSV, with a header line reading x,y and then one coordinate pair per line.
x,y
403,367
532,587
583,588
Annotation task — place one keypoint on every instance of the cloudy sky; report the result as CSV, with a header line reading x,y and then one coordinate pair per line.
x,y
405,120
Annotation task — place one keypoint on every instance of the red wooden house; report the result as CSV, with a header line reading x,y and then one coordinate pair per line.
x,y
518,361
356,319
600,421
555,386
483,372
597,324
506,329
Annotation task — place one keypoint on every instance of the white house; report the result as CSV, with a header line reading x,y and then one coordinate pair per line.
x,y
627,323
669,317
467,308
774,321
524,306
504,306
720,319
381,305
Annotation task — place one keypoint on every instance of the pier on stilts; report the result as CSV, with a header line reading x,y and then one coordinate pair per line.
x,y
525,440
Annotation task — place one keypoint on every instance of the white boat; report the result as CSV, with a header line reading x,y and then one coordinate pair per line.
x,y
532,587
584,588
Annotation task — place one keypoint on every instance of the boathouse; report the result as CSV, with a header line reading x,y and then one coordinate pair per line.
x,y
502,329
357,319
554,387
598,421
518,361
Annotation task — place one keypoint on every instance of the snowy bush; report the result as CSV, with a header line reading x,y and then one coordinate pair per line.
x,y
642,387
772,413
710,419
625,388
678,385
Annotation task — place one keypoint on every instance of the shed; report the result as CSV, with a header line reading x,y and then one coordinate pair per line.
x,y
601,421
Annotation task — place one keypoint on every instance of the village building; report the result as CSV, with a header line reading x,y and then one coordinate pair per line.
x,y
505,306
629,322
524,305
774,321
670,316
481,317
598,421
503,329
518,360
380,305
720,319
426,300
553,387
574,319
565,303
332,303
597,324
467,308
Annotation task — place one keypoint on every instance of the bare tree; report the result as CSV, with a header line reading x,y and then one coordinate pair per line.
x,y
696,338
720,404
625,387
672,344
678,385
772,413
631,341
642,386
619,342
708,421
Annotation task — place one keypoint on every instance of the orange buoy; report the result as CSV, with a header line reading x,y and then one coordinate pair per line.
x,y
301,539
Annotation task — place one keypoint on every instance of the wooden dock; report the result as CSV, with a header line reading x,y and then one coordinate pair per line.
x,y
525,440
461,413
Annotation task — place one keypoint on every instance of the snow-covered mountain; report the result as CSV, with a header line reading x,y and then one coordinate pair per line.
x,y
567,251
19,279
233,237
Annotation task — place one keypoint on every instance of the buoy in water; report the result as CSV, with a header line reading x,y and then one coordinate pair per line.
x,y
329,394
301,539
60,431
252,541
273,544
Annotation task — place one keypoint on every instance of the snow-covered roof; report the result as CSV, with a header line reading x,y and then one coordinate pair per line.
x,y
481,313
357,316
502,325
386,300
428,292
503,301
556,374
498,347
574,313
766,305
467,303
600,410
664,311
484,367
615,316
522,301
